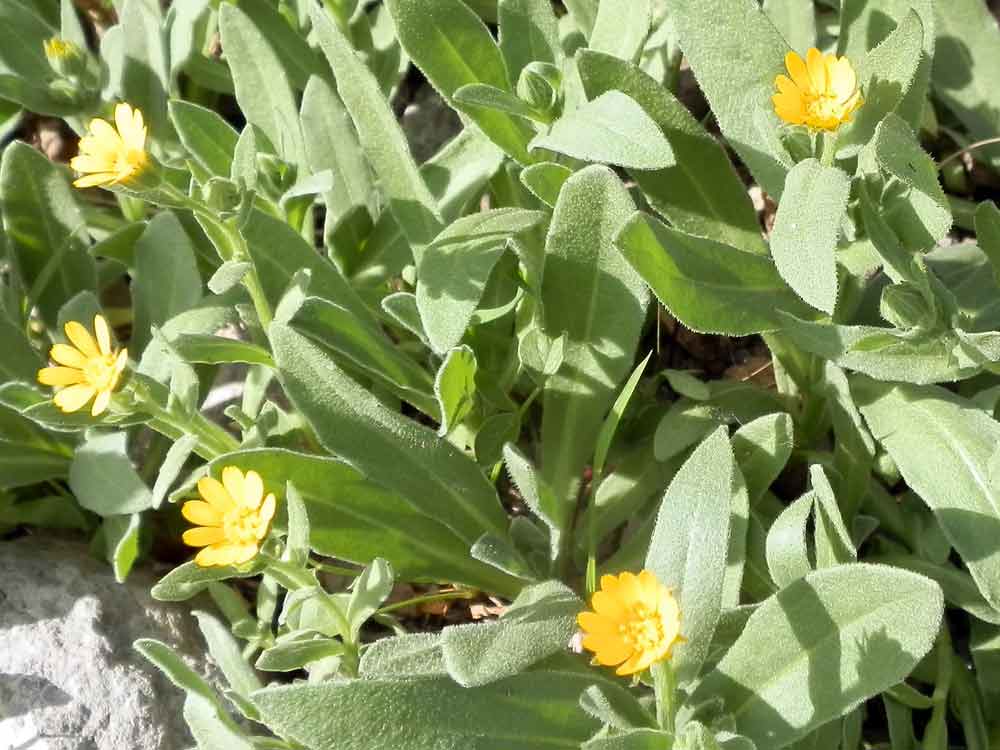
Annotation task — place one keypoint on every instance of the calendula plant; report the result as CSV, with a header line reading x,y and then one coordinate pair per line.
x,y
489,376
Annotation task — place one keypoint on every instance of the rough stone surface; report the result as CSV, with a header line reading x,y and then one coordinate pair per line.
x,y
69,678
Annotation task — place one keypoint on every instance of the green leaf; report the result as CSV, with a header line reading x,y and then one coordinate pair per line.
x,y
279,252
539,623
207,137
632,739
381,137
217,350
614,418
822,645
621,34
22,33
592,295
988,234
170,469
166,281
352,518
866,23
405,456
735,53
263,90
357,345
710,287
103,480
529,33
45,229
806,228
211,726
289,44
144,76
372,588
701,194
536,493
787,549
924,218
618,709
480,96
455,387
833,541
968,47
545,180
524,712
796,21
20,360
885,76
762,449
294,654
611,129
456,266
227,654
22,464
942,444
121,543
410,655
190,579
690,544
332,143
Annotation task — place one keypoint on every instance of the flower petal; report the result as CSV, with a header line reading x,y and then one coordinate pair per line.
x,y
100,403
202,536
817,70
233,480
243,553
74,398
609,606
103,334
630,666
60,376
593,624
64,354
215,494
201,513
214,555
797,69
80,338
264,517
253,489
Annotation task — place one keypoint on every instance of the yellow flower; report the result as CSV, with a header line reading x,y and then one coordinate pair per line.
x,y
232,519
60,49
112,154
89,369
635,622
821,94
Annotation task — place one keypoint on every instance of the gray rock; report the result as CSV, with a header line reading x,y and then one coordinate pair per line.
x,y
69,678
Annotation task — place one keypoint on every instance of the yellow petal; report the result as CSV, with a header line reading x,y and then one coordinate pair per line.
x,y
202,536
613,654
593,623
232,480
797,70
94,180
59,376
92,163
80,338
650,588
103,334
100,403
214,555
215,494
201,513
264,517
609,606
628,589
253,489
103,133
843,79
787,86
630,666
817,70
67,355
74,398
243,553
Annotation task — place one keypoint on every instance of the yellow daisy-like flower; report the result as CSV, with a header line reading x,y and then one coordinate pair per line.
x,y
89,369
112,154
60,49
821,94
232,519
636,622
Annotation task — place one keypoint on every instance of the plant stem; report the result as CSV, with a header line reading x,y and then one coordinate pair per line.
x,y
829,148
665,686
213,441
427,599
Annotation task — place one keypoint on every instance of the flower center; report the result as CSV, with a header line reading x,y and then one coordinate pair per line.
x,y
100,372
825,106
130,161
240,525
644,631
